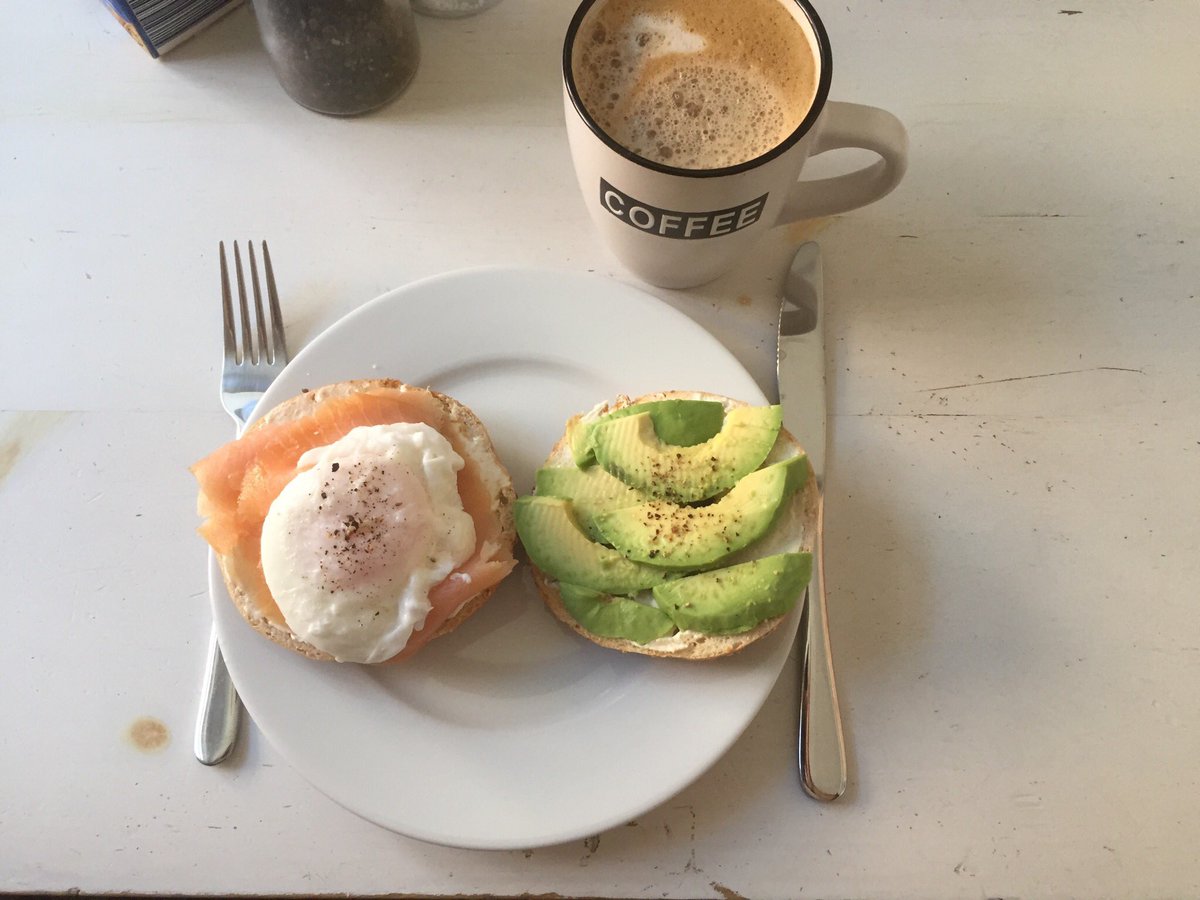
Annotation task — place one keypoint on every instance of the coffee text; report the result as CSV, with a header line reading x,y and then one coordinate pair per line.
x,y
670,223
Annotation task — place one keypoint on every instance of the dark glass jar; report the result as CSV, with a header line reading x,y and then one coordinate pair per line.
x,y
340,57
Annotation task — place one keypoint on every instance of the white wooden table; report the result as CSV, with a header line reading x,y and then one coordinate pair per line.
x,y
1012,502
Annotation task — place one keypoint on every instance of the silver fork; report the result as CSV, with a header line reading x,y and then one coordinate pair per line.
x,y
249,368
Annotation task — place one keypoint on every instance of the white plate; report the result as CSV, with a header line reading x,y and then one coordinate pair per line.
x,y
511,732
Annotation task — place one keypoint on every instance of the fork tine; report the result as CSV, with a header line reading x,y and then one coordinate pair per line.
x,y
227,308
278,344
247,346
259,320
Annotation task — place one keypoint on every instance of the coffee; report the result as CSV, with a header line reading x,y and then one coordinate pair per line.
x,y
695,84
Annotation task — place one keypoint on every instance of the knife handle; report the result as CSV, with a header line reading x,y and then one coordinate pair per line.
x,y
822,746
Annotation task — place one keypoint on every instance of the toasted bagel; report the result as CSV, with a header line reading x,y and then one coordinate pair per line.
x,y
241,567
793,530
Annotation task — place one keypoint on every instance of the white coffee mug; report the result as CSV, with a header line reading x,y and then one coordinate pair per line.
x,y
677,227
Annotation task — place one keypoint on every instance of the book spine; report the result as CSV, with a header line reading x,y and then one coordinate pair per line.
x,y
159,25
130,23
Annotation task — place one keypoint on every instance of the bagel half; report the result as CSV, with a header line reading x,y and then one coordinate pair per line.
x,y
794,530
242,570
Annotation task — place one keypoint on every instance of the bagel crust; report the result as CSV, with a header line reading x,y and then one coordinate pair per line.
x,y
798,524
478,446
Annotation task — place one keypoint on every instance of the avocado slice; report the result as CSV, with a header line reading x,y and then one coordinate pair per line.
x,y
677,421
558,547
736,598
614,617
629,449
591,492
660,533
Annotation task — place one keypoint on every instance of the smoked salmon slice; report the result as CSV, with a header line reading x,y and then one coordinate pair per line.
x,y
239,481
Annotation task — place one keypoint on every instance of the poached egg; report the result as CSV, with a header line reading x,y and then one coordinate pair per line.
x,y
355,541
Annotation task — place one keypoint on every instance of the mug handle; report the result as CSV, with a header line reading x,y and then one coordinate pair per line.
x,y
851,125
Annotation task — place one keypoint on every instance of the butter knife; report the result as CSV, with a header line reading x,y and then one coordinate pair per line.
x,y
801,374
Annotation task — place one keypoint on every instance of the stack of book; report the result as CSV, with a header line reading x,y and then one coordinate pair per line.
x,y
159,25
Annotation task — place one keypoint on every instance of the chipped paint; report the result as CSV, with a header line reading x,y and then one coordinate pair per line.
x,y
590,846
726,892
21,430
691,865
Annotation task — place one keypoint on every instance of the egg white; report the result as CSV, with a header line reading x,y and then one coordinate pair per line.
x,y
355,541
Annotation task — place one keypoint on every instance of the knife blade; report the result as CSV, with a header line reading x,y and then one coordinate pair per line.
x,y
801,375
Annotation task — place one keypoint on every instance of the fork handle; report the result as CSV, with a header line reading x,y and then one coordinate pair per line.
x,y
822,746
217,722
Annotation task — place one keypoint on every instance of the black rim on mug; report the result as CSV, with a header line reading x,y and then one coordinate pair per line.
x,y
818,103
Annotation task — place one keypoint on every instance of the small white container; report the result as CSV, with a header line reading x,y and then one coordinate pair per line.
x,y
452,9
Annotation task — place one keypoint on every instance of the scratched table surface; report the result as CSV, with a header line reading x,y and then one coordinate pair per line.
x,y
1014,370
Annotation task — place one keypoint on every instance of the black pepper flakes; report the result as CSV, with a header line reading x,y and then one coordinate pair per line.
x,y
340,58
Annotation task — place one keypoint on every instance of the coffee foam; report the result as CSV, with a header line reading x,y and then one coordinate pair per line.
x,y
697,85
